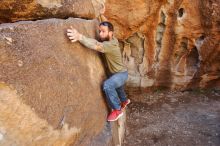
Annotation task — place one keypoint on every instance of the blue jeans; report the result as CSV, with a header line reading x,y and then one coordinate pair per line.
x,y
114,89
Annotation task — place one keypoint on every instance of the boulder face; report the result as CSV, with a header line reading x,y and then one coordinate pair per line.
x,y
169,43
50,88
16,10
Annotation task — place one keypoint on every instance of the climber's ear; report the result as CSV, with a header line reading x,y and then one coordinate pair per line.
x,y
110,33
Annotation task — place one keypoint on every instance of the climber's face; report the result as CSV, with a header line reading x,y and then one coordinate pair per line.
x,y
104,33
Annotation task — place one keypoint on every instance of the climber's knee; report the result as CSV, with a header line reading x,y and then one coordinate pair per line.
x,y
106,85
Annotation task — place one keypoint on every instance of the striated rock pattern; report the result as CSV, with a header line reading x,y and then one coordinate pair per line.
x,y
16,10
50,91
169,43
22,127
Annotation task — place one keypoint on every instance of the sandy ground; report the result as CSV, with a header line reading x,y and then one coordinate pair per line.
x,y
165,118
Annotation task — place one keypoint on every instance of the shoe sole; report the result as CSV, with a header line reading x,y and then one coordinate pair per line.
x,y
126,104
116,118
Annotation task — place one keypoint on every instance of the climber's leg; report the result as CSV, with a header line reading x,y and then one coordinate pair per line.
x,y
121,93
110,85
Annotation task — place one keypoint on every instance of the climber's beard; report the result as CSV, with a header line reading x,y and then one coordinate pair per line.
x,y
107,38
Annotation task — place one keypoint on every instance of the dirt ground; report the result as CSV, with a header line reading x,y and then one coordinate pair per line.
x,y
165,118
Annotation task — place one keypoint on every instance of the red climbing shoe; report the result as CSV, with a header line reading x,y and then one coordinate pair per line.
x,y
114,115
125,103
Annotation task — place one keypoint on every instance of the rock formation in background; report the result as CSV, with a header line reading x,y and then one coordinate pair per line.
x,y
169,43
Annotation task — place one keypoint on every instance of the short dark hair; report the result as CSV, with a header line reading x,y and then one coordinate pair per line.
x,y
108,24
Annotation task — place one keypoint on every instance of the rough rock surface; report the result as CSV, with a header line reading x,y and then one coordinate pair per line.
x,y
50,88
16,10
169,43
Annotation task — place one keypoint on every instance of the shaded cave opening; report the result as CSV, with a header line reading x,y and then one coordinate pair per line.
x,y
192,62
181,12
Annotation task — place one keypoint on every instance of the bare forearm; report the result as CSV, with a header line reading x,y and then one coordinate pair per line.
x,y
102,18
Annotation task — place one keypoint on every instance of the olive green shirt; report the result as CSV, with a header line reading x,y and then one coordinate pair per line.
x,y
111,52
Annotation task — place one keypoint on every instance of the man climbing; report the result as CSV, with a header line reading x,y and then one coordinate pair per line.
x,y
108,44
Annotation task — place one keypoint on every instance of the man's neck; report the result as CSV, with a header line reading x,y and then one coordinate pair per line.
x,y
110,38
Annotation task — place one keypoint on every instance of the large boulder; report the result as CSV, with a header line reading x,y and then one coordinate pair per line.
x,y
16,10
50,88
169,43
